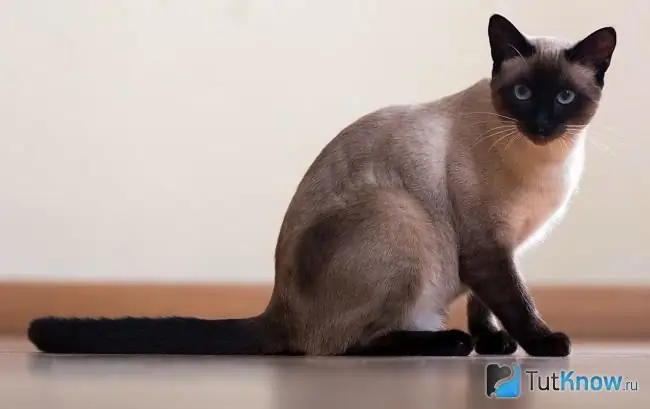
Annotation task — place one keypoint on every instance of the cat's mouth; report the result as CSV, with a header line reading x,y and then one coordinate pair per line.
x,y
541,136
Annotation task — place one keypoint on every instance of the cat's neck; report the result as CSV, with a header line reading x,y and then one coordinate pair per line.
x,y
497,144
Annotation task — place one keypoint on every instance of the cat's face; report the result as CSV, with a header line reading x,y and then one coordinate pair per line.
x,y
547,86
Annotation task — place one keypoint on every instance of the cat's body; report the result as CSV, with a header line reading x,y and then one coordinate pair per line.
x,y
406,209
363,171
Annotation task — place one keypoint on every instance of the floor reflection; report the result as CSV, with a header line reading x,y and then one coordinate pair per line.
x,y
299,383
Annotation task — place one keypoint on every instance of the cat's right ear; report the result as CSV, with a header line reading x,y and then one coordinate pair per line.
x,y
506,41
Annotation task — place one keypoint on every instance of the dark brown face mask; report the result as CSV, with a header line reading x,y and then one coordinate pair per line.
x,y
547,90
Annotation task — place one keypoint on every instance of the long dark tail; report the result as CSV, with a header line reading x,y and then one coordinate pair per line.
x,y
173,336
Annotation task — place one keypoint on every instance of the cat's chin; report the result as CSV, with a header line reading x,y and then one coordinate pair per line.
x,y
542,140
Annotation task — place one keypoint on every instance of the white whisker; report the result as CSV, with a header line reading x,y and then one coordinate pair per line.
x,y
498,121
489,113
512,139
491,134
565,144
500,139
602,147
593,138
610,130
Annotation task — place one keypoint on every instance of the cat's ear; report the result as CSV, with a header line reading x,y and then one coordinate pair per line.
x,y
506,41
595,50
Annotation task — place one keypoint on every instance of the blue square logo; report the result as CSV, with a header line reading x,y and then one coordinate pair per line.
x,y
503,381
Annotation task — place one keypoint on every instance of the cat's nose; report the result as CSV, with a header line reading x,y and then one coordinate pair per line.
x,y
543,126
544,129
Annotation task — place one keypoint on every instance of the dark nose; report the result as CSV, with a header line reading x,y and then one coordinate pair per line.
x,y
543,126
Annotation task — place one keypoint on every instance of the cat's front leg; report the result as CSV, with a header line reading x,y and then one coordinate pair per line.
x,y
487,338
489,271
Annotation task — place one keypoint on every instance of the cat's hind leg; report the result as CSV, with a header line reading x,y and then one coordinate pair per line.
x,y
417,343
364,279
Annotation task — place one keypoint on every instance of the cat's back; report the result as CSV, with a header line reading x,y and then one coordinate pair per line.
x,y
395,147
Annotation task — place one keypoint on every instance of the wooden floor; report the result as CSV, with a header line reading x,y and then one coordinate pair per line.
x,y
33,381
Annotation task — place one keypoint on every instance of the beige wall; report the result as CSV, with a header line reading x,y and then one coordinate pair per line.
x,y
162,140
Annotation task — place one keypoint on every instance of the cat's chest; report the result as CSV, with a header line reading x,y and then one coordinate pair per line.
x,y
534,206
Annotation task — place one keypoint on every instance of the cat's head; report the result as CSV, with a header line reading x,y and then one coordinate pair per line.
x,y
547,85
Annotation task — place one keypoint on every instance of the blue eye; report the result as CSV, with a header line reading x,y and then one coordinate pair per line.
x,y
565,97
522,92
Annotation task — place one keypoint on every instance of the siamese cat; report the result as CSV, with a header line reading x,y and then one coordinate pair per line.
x,y
402,212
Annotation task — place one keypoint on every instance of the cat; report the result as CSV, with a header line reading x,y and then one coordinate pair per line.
x,y
406,209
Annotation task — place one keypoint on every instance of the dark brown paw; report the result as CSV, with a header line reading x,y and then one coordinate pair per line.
x,y
416,343
457,342
495,343
554,344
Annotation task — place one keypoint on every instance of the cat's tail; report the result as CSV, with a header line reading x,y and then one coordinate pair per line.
x,y
168,336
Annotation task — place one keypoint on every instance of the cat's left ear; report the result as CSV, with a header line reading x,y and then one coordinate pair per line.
x,y
595,50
